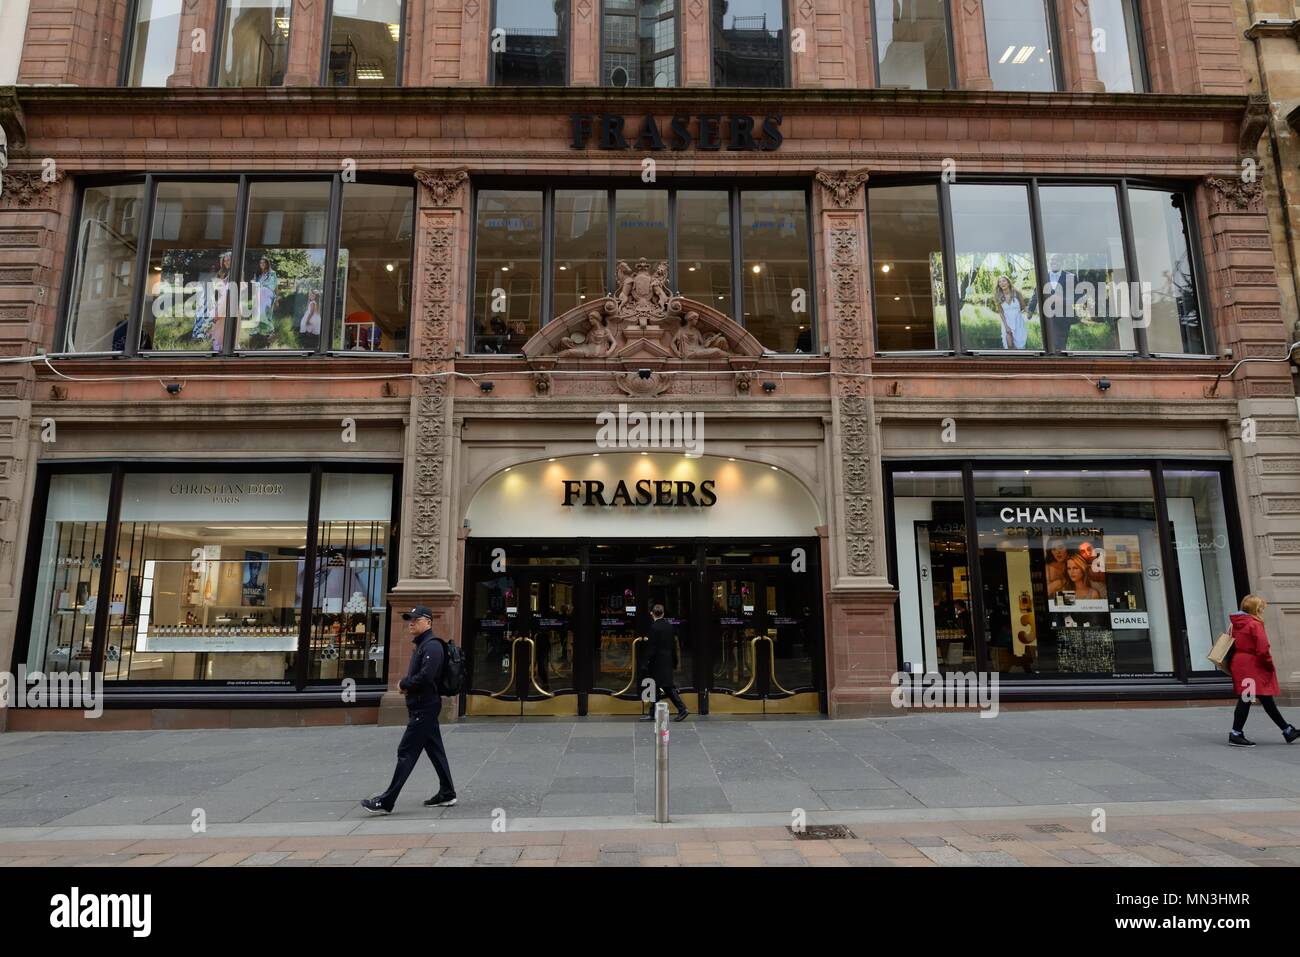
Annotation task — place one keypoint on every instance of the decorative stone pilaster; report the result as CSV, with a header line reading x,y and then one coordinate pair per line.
x,y
1077,57
584,44
306,36
697,54
861,655
971,45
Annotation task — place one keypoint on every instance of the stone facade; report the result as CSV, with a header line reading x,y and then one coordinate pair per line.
x,y
445,129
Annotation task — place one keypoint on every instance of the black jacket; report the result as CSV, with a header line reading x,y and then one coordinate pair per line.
x,y
421,682
661,653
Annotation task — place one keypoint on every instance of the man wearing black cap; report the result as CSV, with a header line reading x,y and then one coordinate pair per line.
x,y
423,704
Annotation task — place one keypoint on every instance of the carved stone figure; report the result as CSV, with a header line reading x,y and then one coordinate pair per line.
x,y
594,343
643,293
689,342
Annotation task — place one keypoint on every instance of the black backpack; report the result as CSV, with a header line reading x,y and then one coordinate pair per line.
x,y
452,677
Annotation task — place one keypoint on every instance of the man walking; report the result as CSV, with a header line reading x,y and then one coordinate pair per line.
x,y
423,703
661,659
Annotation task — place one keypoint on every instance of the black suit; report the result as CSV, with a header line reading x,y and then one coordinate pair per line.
x,y
1063,298
661,659
422,735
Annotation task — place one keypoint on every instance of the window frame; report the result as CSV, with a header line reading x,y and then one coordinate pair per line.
x,y
568,46
1033,183
117,470
1142,68
238,247
787,64
325,50
1053,37
1187,674
128,46
214,72
951,44
671,185
677,47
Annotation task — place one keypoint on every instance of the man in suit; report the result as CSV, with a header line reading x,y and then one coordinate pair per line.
x,y
661,659
1059,298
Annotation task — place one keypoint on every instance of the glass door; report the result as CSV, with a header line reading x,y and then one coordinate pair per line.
x,y
620,626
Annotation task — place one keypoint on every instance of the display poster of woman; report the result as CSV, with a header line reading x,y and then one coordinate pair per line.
x,y
310,322
266,286
1011,311
1057,554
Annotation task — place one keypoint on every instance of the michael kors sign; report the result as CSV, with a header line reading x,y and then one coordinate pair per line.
x,y
707,131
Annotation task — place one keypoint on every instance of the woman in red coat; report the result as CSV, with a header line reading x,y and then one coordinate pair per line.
x,y
1253,675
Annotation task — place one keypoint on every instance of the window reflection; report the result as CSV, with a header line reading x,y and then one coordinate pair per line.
x,y
103,277
507,269
775,285
749,45
373,282
907,269
912,37
1165,269
1115,24
581,247
365,36
533,36
154,42
640,43
704,247
254,43
996,281
1019,44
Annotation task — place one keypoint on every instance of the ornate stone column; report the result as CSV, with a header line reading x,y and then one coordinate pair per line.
x,y
861,648
192,66
1078,62
306,34
427,538
697,50
971,45
584,43
1266,440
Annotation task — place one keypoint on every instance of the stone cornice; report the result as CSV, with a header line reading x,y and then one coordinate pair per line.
x,y
529,101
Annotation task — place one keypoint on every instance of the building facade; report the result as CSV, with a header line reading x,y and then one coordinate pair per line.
x,y
864,337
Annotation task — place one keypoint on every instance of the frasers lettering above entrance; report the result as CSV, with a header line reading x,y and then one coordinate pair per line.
x,y
631,495
707,131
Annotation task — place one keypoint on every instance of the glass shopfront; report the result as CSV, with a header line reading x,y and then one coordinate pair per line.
x,y
1123,571
560,627
213,575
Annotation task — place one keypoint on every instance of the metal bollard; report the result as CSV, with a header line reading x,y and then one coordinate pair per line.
x,y
661,762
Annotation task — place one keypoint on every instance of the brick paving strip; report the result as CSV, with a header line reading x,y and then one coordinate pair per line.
x,y
1253,833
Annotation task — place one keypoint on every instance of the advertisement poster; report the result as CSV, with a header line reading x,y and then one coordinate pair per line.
x,y
256,567
1076,574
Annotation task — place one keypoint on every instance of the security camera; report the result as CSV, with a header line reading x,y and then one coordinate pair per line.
x,y
174,388
486,387
769,387
1103,385
643,373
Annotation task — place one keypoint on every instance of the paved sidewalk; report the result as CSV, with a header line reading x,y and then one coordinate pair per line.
x,y
946,788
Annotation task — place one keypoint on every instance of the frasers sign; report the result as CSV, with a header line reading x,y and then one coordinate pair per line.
x,y
1026,515
708,131
642,493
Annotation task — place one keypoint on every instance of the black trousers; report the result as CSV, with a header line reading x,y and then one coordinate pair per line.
x,y
1242,712
422,734
670,691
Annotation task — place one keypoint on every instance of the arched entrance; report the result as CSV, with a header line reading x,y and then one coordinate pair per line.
x,y
566,558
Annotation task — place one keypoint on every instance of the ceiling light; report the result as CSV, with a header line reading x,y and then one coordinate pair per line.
x,y
395,31
505,268
282,24
1007,56
550,460
369,73
758,268
898,299
1024,55
690,269
885,268
389,267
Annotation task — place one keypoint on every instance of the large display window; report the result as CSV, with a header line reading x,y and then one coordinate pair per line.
x,y
211,575
1123,571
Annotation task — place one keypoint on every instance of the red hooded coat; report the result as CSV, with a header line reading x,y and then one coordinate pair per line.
x,y
1250,656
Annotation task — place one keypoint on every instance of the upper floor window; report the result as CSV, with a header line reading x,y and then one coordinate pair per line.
x,y
1117,45
318,266
530,43
154,34
1016,267
253,42
913,49
639,43
365,43
749,43
1018,35
724,247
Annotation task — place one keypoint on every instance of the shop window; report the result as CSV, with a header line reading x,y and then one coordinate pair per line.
x,y
208,568
254,42
704,247
365,42
1072,574
188,284
935,608
1201,544
912,44
530,43
154,36
775,283
1166,272
749,43
1117,45
641,225
284,265
994,260
639,43
373,279
349,616
581,244
1085,292
908,270
97,318
1018,35
507,269
68,575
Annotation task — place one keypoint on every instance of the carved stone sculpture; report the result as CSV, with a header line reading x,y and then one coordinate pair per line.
x,y
643,295
689,342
